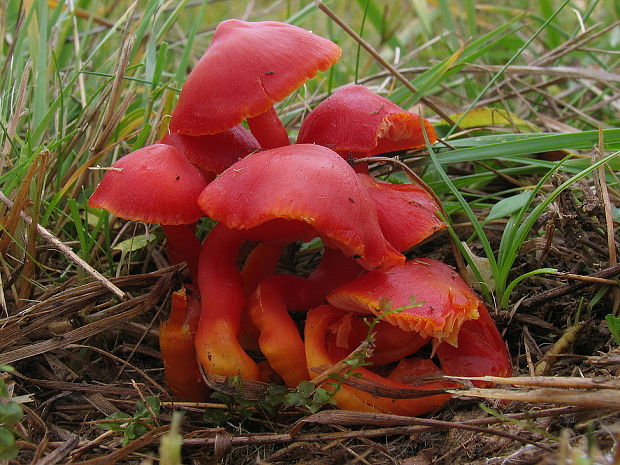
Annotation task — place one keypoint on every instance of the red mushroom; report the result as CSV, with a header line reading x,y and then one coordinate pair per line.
x,y
321,327
248,67
291,193
434,300
176,343
299,192
444,309
358,123
213,153
156,184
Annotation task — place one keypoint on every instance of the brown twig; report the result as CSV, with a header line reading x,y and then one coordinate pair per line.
x,y
567,382
413,425
561,290
136,306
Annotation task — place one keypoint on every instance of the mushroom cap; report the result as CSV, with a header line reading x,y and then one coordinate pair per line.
x,y
446,301
481,351
356,121
248,67
300,192
322,321
214,153
408,214
154,184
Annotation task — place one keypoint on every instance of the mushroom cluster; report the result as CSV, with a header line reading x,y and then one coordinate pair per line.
x,y
262,190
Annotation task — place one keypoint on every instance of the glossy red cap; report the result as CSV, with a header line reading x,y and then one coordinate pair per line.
x,y
154,184
298,192
248,67
446,301
355,121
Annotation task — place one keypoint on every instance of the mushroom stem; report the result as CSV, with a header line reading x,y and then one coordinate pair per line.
x,y
176,343
335,269
268,130
221,285
279,337
260,264
183,246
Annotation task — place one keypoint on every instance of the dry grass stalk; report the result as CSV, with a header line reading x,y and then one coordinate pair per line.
x,y
560,346
129,309
596,399
70,254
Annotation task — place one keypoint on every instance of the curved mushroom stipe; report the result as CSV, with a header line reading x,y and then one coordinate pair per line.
x,y
222,301
296,193
260,263
316,333
279,338
248,67
355,122
176,344
333,270
182,245
408,214
433,300
269,129
213,153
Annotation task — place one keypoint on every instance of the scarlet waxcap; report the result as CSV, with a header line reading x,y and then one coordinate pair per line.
x,y
308,187
355,121
154,184
408,214
248,67
214,153
433,299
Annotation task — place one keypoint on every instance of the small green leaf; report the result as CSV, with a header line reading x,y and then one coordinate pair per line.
x,y
144,410
8,447
134,243
613,323
7,368
115,422
305,388
508,206
133,431
10,413
294,399
322,396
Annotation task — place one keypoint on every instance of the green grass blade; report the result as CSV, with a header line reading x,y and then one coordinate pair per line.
x,y
515,282
537,144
